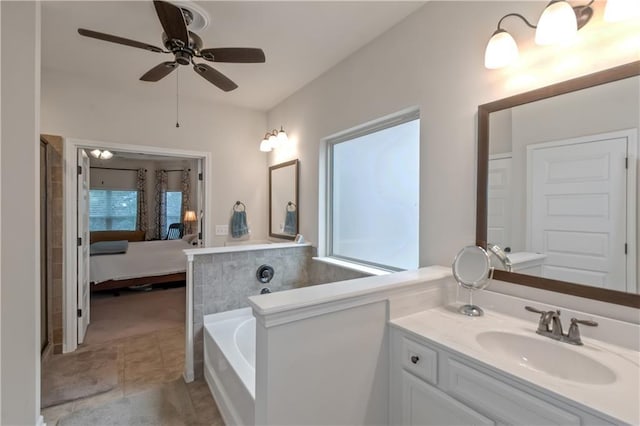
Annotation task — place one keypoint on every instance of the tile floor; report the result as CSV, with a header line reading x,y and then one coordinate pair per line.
x,y
145,362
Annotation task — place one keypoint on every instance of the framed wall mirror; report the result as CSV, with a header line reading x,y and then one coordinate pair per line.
x,y
558,184
283,200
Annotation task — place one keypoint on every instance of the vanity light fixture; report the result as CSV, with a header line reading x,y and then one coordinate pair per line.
x,y
101,154
273,139
558,23
620,10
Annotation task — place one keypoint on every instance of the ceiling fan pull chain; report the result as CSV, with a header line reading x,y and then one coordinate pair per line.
x,y
177,97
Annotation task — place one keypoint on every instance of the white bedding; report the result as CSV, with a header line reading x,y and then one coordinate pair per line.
x,y
142,259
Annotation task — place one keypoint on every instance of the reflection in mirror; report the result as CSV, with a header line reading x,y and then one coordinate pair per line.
x,y
283,200
562,184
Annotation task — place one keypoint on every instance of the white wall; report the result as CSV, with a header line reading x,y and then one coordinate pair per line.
x,y
434,59
75,107
20,381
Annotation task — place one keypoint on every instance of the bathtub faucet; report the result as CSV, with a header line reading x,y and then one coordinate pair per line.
x,y
265,290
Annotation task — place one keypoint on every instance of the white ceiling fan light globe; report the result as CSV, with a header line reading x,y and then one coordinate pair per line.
x,y
501,50
557,24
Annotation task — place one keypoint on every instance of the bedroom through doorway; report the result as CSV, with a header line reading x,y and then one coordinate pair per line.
x,y
137,209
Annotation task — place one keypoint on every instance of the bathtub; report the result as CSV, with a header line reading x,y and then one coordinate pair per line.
x,y
229,363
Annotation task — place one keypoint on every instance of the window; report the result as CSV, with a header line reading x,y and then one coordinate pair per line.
x,y
174,207
373,184
112,210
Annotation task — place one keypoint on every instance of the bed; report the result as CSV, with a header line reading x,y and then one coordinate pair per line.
x,y
145,262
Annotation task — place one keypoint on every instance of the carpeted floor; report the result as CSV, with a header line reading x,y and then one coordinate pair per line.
x,y
79,375
134,313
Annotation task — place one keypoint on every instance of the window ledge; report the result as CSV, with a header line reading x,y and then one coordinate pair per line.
x,y
370,270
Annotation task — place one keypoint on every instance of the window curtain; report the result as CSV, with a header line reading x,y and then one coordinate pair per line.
x,y
142,220
160,225
186,192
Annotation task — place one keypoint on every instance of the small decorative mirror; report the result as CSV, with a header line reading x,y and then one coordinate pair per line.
x,y
283,200
472,270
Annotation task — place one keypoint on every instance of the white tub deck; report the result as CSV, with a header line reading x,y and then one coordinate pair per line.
x,y
229,363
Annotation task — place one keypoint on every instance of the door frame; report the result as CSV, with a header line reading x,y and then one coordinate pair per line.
x,y
70,161
632,183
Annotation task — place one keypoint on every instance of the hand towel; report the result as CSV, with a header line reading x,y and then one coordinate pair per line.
x,y
239,224
290,223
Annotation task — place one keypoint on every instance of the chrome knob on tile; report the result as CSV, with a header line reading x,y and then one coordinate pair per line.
x,y
415,359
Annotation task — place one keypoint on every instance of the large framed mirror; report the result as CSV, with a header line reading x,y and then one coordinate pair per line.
x,y
558,185
283,200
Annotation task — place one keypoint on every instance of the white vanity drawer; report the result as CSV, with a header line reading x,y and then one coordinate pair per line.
x,y
420,360
501,401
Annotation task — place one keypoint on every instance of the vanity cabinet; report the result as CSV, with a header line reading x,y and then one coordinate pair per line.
x,y
432,385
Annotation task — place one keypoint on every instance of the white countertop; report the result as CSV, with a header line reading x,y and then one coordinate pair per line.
x,y
244,247
283,301
619,400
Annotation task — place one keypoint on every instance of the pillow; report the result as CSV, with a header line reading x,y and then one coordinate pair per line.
x,y
108,247
189,238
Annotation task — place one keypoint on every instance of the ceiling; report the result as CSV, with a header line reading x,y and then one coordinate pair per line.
x,y
301,40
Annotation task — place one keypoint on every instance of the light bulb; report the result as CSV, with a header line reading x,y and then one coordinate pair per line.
x,y
106,155
620,10
501,50
96,153
282,137
557,24
265,146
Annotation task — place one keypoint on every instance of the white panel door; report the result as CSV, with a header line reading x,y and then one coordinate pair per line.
x,y
499,202
83,246
578,210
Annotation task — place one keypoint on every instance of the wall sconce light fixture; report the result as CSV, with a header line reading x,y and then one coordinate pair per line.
x,y
558,23
273,139
101,154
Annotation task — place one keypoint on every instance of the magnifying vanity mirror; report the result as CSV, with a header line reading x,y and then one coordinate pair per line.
x,y
472,270
558,185
283,200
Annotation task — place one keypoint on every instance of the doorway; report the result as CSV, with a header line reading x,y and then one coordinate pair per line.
x,y
73,262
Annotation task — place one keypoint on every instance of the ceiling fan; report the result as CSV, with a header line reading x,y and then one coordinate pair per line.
x,y
185,46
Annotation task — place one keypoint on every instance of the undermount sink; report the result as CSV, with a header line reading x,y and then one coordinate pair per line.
x,y
547,356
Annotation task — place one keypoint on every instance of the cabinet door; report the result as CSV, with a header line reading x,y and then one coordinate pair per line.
x,y
424,405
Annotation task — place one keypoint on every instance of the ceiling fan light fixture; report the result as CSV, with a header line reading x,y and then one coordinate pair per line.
x,y
101,154
557,23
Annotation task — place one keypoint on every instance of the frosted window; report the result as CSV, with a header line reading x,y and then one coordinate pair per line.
x,y
374,198
112,210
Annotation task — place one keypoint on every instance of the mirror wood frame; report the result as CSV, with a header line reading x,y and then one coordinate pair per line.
x,y
297,175
602,77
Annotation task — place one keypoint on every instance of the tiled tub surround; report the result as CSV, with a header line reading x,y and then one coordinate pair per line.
x,y
222,278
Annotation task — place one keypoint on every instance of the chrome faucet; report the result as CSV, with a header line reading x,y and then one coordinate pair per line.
x,y
555,332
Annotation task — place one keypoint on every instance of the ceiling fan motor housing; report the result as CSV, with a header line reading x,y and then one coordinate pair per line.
x,y
183,53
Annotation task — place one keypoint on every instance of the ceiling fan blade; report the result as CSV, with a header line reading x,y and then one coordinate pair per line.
x,y
119,40
215,77
172,22
240,55
159,72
